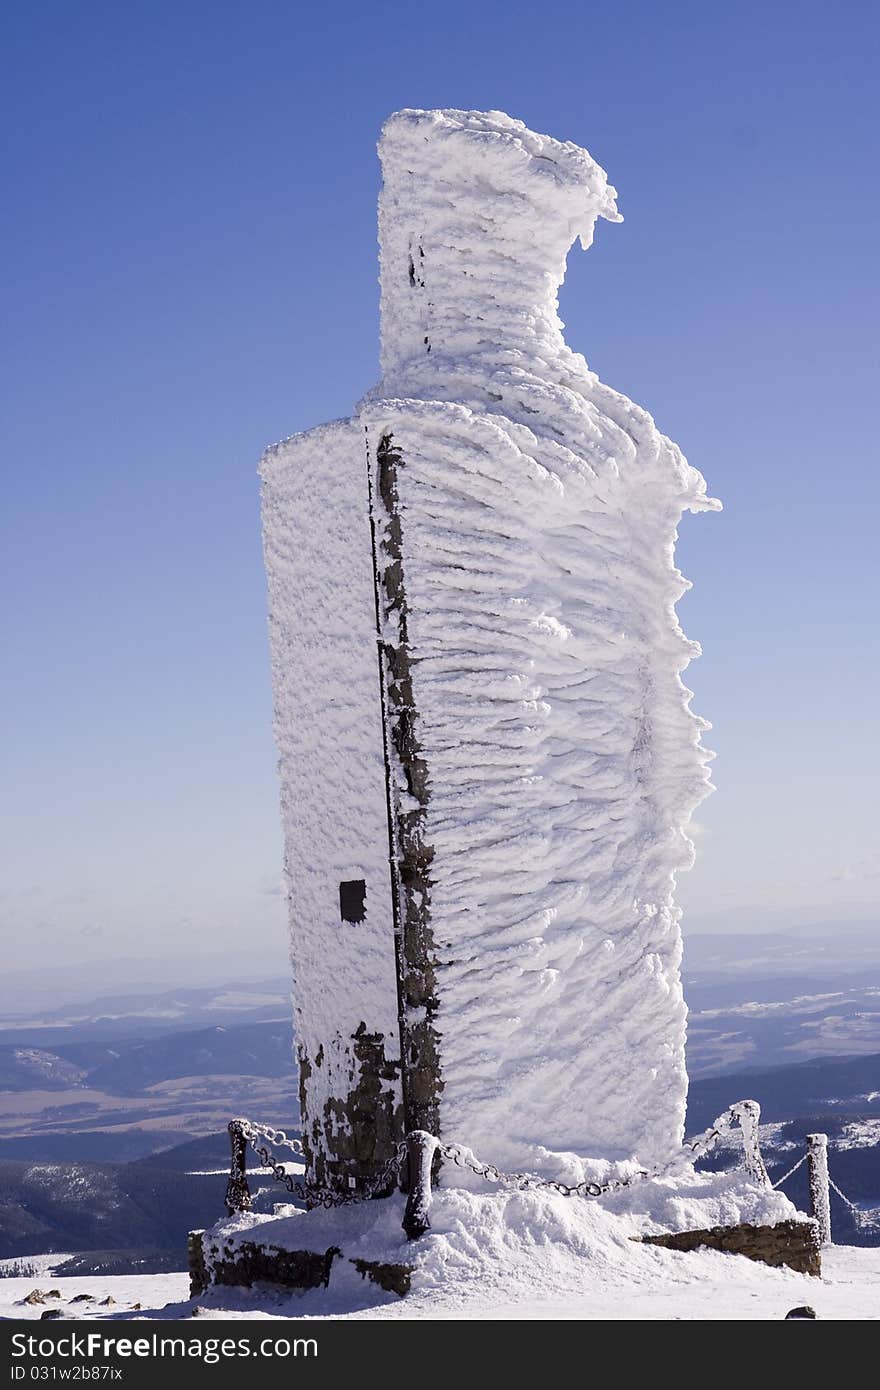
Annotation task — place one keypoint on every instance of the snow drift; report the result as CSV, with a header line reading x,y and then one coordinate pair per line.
x,y
502,1248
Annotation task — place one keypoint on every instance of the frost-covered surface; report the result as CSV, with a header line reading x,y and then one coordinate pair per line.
x,y
669,1286
460,1218
539,511
329,738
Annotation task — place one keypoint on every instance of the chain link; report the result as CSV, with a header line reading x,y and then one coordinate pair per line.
x,y
724,1124
387,1178
524,1182
868,1220
312,1193
785,1177
317,1195
276,1137
745,1114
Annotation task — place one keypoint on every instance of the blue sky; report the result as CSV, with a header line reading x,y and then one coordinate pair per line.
x,y
189,266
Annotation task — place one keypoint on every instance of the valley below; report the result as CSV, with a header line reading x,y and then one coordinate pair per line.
x,y
113,1110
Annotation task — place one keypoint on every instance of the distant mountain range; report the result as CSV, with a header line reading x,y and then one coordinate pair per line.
x,y
144,1012
118,1077
836,1088
764,1000
112,1108
130,1066
122,1213
102,1206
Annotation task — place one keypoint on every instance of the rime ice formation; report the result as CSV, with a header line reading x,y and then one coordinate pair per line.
x,y
328,731
542,759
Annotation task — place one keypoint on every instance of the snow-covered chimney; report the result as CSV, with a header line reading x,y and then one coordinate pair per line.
x,y
476,218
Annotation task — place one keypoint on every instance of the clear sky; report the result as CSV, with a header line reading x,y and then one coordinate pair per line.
x,y
189,267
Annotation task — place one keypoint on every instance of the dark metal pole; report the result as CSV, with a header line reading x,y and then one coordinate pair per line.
x,y
393,858
420,1150
238,1194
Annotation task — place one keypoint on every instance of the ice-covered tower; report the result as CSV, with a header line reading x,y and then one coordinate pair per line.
x,y
488,762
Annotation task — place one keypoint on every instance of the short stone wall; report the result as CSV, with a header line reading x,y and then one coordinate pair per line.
x,y
243,1264
794,1244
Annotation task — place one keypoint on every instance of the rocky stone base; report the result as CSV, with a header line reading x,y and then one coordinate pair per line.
x,y
245,1263
791,1243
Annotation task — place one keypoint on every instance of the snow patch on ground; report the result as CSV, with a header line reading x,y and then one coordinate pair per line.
x,y
860,1134
158,1294
705,1285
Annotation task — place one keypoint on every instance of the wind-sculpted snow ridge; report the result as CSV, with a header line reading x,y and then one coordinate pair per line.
x,y
539,511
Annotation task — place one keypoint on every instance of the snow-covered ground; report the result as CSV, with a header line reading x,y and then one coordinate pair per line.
x,y
152,1291
500,1254
703,1285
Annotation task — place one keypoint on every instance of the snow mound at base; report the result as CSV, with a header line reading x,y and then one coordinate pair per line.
x,y
518,1244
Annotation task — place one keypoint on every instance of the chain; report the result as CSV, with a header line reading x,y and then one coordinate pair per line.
x,y
387,1178
384,1179
700,1146
276,1137
706,1141
527,1181
866,1219
312,1193
785,1177
744,1113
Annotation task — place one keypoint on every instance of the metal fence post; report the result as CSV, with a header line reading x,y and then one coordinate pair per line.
x,y
420,1149
238,1195
820,1197
198,1274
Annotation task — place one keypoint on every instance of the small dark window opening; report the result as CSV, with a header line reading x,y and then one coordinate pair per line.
x,y
352,900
